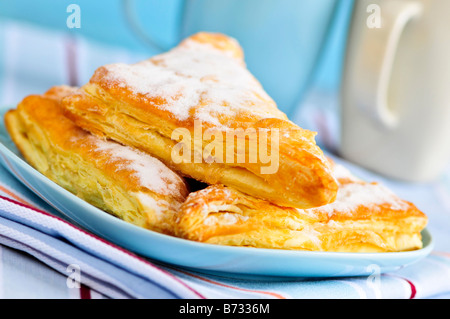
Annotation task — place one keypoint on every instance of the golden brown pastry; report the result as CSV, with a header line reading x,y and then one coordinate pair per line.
x,y
123,181
200,111
366,217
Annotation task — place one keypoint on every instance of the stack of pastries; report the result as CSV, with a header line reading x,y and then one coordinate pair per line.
x,y
138,140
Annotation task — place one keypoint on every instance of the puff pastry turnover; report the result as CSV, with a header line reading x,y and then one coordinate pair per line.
x,y
366,217
118,179
203,82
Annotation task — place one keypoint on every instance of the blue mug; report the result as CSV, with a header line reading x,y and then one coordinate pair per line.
x,y
283,40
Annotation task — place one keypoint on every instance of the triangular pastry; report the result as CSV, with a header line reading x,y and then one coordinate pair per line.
x,y
366,217
128,183
179,107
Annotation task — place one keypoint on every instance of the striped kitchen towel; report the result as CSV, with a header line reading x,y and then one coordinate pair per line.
x,y
34,237
82,257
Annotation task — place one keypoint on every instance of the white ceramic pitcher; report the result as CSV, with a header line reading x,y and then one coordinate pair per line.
x,y
396,88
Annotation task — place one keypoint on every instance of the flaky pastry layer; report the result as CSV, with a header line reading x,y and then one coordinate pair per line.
x,y
118,179
366,217
204,80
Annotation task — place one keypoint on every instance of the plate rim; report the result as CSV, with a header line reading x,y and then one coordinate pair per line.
x,y
7,153
25,165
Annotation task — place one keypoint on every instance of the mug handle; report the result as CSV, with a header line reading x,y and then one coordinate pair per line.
x,y
379,47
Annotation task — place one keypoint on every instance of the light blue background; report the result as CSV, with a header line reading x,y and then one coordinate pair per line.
x,y
279,37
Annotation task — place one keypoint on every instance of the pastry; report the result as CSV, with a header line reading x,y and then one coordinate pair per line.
x,y
123,181
201,112
366,217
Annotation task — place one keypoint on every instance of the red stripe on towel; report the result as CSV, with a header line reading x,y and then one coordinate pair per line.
x,y
85,292
14,196
409,282
129,253
273,294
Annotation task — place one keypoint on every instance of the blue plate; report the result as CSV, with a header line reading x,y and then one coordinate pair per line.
x,y
237,261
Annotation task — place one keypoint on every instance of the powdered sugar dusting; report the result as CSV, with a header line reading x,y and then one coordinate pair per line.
x,y
194,80
151,173
358,193
225,219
